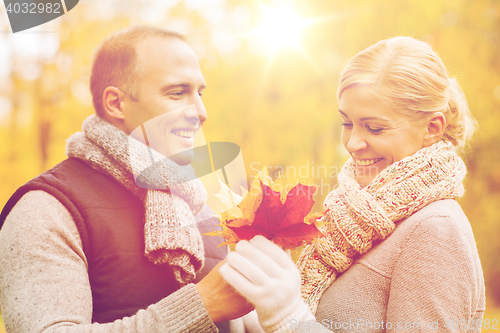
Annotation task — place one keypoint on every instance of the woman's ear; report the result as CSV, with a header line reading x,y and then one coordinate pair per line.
x,y
112,100
435,129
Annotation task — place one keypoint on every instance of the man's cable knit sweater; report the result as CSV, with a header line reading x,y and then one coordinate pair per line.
x,y
44,284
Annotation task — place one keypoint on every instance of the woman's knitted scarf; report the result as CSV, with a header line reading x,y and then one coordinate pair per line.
x,y
357,216
170,193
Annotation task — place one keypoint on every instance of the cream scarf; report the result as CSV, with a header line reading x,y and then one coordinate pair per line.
x,y
357,216
172,199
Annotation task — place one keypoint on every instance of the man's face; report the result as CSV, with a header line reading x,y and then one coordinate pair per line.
x,y
169,102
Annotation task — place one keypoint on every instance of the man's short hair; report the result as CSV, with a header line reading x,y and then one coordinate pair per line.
x,y
115,62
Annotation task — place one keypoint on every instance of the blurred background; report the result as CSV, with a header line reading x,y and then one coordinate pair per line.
x,y
271,68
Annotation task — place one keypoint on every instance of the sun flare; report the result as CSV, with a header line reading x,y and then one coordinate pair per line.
x,y
281,27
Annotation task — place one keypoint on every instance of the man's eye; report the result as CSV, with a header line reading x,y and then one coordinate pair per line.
x,y
176,93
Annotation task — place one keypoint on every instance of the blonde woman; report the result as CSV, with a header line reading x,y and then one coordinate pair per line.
x,y
398,252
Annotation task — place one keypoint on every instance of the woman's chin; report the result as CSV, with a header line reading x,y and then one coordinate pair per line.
x,y
365,174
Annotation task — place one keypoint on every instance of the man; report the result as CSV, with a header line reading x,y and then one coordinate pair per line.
x,y
84,248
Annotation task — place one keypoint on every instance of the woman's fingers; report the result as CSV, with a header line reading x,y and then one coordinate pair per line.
x,y
236,279
273,251
259,258
247,268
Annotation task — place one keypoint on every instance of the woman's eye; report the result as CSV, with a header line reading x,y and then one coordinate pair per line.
x,y
346,125
374,130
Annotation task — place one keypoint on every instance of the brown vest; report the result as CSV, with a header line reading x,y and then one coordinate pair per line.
x,y
110,220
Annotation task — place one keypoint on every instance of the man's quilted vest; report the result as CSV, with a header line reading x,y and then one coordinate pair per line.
x,y
110,220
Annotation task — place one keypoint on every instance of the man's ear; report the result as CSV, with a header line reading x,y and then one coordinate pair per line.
x,y
112,100
435,129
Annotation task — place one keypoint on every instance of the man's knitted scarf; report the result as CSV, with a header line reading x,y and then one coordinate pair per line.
x,y
357,216
171,197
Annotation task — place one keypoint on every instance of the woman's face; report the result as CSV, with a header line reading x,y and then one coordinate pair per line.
x,y
375,134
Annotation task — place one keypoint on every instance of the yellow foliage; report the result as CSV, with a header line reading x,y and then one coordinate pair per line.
x,y
279,108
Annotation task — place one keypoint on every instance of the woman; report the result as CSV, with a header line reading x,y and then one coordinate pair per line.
x,y
398,251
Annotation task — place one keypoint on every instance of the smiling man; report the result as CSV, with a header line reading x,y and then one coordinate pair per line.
x,y
83,248
166,96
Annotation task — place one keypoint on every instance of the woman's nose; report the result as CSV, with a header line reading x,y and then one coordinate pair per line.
x,y
356,142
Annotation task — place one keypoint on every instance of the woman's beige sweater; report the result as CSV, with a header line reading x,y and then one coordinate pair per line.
x,y
425,277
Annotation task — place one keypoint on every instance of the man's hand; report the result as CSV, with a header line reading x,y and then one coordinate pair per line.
x,y
221,300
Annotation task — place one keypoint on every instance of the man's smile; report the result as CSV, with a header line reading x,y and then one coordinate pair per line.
x,y
184,133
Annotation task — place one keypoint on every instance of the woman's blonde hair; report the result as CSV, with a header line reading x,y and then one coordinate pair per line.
x,y
412,78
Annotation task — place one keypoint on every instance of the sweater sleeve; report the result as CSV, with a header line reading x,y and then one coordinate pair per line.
x,y
437,281
44,285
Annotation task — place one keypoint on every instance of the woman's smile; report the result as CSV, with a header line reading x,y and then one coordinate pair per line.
x,y
369,162
375,134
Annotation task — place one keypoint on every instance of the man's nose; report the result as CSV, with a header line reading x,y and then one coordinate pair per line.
x,y
202,112
198,111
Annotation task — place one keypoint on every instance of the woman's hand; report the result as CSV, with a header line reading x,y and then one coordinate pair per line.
x,y
222,302
263,273
251,323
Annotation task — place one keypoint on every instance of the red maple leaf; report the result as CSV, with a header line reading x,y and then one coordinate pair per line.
x,y
283,223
